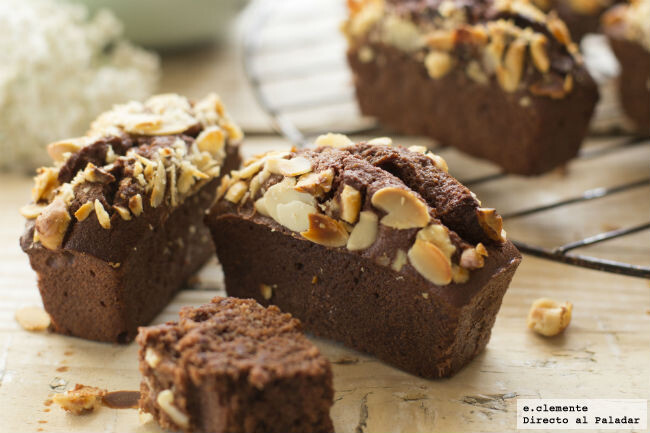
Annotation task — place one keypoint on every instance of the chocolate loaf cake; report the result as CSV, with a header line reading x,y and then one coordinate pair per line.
x,y
372,245
233,366
116,225
628,29
499,80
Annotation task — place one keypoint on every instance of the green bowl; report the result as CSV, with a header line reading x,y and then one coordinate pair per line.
x,y
171,24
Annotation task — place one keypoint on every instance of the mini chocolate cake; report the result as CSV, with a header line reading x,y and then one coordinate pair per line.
x,y
372,245
499,80
628,29
116,226
233,366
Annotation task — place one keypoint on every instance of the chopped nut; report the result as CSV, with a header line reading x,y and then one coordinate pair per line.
x,y
366,55
249,170
403,209
430,262
438,161
438,64
123,212
559,29
491,223
381,141
364,233
135,204
31,211
289,167
32,318
471,259
548,317
476,73
350,204
84,210
165,400
509,75
399,261
234,131
93,173
45,182
326,231
266,291
59,149
211,140
538,52
159,184
257,181
568,84
480,248
80,400
438,235
152,358
102,216
52,224
459,275
418,149
287,206
333,140
442,40
316,184
236,191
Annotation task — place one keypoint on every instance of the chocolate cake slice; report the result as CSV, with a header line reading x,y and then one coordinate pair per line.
x,y
233,366
627,27
372,245
116,225
497,79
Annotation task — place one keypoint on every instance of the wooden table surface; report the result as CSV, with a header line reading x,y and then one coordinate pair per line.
x,y
604,353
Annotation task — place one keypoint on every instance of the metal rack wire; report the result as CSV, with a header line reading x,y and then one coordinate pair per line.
x,y
278,32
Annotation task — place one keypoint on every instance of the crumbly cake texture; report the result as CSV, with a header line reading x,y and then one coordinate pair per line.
x,y
234,366
370,244
116,225
500,80
628,28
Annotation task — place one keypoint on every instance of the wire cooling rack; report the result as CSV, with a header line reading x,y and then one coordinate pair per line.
x,y
294,58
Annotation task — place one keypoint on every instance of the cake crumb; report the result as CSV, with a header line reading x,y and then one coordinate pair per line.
x,y
80,400
32,318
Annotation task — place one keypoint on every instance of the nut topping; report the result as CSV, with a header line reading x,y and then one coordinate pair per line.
x,y
438,64
165,400
509,75
82,399
333,140
326,231
84,210
350,204
438,235
52,224
45,182
403,209
438,161
59,149
399,261
102,216
471,259
364,233
31,211
287,206
211,140
289,167
159,184
135,204
123,212
548,317
32,318
430,262
316,184
491,223
539,54
152,358
266,291
381,141
236,191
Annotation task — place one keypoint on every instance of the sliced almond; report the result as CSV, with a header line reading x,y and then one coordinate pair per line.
x,y
333,140
438,235
289,167
84,210
491,223
559,29
52,224
480,248
418,149
135,204
350,204
33,318
399,261
294,215
58,150
123,212
403,209
31,211
102,216
326,231
236,191
538,52
430,262
438,161
211,140
234,131
316,184
266,291
282,203
442,40
224,184
509,75
249,170
381,141
257,181
364,233
45,182
159,185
